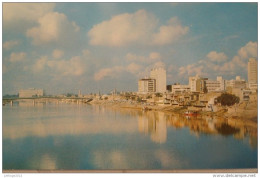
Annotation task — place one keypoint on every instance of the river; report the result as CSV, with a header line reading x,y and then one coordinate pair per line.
x,y
70,136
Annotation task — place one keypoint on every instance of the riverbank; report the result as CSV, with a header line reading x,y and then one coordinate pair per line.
x,y
244,111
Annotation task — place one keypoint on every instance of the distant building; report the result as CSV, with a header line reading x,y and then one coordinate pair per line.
x,y
238,83
159,74
197,84
212,85
222,83
252,73
31,92
178,89
79,94
146,85
215,85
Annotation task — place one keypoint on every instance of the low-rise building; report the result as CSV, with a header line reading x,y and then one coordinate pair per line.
x,y
179,89
237,83
147,85
31,92
197,84
215,85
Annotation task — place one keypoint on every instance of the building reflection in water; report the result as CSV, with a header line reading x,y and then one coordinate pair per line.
x,y
154,124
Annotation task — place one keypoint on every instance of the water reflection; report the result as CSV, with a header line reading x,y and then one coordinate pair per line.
x,y
153,123
74,136
64,119
19,122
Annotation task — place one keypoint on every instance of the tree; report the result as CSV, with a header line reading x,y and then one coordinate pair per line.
x,y
226,99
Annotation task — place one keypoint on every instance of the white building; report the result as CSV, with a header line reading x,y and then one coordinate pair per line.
x,y
146,86
222,83
252,73
215,85
159,74
31,92
197,84
212,85
238,83
178,89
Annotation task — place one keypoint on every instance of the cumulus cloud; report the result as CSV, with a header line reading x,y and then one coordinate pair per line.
x,y
209,68
17,57
134,68
73,67
140,28
53,27
57,53
170,33
10,44
216,57
14,12
108,72
191,70
249,50
40,64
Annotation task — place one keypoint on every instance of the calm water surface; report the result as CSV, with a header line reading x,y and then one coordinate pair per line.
x,y
57,136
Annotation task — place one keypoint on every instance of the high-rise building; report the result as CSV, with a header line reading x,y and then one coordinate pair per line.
x,y
252,73
159,74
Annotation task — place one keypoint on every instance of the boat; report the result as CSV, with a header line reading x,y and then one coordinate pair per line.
x,y
190,113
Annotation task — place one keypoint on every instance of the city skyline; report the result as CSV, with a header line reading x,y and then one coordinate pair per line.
x,y
66,47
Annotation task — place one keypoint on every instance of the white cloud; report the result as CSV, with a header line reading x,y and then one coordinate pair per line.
x,y
40,64
14,12
108,72
137,28
155,56
191,70
249,50
73,67
134,68
139,66
17,57
159,64
216,57
57,53
209,68
170,33
10,44
53,27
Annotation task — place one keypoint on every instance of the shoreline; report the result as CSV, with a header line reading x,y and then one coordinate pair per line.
x,y
224,111
243,111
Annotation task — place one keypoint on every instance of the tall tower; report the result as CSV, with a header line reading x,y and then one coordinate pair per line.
x,y
252,73
159,74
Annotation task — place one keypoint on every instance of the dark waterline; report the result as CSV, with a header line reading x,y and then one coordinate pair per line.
x,y
59,136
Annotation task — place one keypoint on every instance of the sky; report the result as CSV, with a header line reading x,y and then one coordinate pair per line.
x,y
92,47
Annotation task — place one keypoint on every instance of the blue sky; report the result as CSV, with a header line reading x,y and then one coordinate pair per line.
x,y
66,47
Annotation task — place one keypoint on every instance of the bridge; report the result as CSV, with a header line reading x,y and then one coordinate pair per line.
x,y
48,99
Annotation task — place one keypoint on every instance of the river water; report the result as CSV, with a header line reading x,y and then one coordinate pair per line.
x,y
63,136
